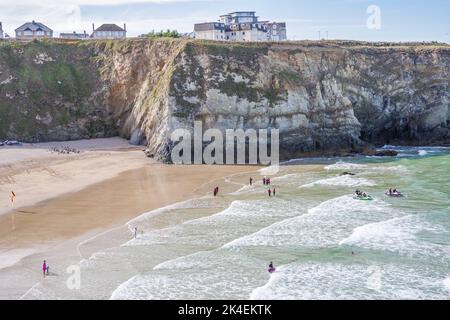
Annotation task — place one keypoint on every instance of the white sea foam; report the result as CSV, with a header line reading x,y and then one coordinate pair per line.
x,y
398,235
345,166
350,281
324,225
423,153
286,177
447,283
203,275
364,169
344,181
199,286
240,217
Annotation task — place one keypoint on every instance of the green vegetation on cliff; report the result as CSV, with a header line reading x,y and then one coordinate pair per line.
x,y
46,85
321,93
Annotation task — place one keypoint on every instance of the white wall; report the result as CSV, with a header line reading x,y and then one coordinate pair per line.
x,y
109,34
216,35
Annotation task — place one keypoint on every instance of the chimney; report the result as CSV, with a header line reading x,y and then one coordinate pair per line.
x,y
125,27
93,28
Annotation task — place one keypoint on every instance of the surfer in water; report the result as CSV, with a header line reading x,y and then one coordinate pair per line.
x,y
271,268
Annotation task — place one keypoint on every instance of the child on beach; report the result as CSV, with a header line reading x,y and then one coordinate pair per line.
x,y
44,268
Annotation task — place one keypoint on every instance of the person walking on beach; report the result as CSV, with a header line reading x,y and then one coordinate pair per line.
x,y
44,268
264,181
274,192
135,232
251,181
270,192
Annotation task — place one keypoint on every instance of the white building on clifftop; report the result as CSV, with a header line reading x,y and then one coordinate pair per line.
x,y
33,30
241,26
109,31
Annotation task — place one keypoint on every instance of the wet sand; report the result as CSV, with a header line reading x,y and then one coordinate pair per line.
x,y
54,227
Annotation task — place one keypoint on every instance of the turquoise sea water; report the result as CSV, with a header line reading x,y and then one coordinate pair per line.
x,y
324,243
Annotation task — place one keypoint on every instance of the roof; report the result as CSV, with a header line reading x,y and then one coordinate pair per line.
x,y
242,12
34,26
109,27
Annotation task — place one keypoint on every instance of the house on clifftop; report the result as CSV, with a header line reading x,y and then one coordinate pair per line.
x,y
33,30
74,36
241,26
109,31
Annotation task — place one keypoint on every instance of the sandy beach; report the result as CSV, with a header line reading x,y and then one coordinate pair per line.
x,y
63,200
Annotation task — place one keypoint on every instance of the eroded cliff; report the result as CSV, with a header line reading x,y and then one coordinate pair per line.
x,y
325,97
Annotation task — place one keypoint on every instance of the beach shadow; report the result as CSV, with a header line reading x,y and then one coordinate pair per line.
x,y
26,212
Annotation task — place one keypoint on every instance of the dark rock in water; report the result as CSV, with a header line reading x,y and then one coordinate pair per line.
x,y
348,174
386,153
380,153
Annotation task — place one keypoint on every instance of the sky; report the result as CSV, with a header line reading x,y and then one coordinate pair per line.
x,y
389,20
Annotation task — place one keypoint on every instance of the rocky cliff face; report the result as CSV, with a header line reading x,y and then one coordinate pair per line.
x,y
324,97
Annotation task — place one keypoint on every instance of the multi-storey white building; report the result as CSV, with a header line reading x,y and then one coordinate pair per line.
x,y
241,26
